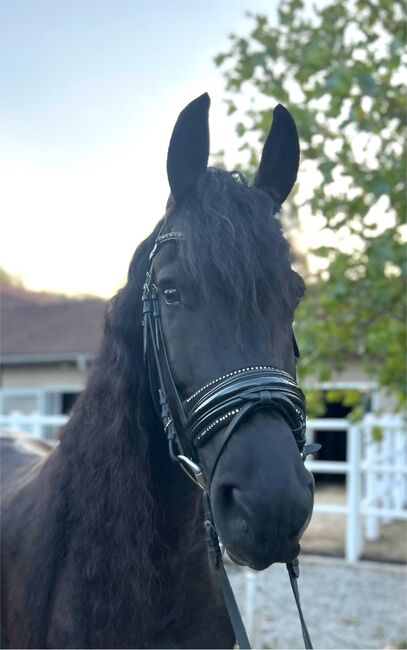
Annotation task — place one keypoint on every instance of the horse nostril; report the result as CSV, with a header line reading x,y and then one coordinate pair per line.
x,y
226,496
230,502
244,527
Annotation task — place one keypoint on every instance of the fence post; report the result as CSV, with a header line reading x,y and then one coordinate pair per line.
x,y
354,543
400,492
372,480
14,424
36,424
41,429
388,458
252,625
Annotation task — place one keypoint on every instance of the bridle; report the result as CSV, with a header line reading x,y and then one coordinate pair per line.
x,y
221,404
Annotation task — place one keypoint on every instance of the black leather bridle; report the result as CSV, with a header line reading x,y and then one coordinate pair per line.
x,y
221,404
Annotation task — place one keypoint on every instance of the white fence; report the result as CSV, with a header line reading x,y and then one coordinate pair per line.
x,y
376,475
376,471
37,424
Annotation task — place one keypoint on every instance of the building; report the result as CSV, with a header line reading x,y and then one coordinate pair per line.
x,y
47,346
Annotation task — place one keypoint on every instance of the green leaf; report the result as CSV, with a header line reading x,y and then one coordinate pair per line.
x,y
367,84
377,434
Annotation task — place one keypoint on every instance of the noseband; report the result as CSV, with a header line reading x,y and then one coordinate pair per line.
x,y
220,404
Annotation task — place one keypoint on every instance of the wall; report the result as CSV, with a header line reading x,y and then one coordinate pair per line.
x,y
43,376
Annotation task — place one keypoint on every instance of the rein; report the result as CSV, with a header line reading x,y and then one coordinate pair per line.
x,y
224,402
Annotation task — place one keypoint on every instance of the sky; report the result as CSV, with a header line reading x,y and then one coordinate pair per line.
x,y
90,92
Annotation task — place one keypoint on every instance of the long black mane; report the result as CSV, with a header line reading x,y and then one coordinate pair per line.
x,y
112,472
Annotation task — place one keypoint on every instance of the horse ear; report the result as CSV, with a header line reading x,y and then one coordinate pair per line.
x,y
280,159
189,147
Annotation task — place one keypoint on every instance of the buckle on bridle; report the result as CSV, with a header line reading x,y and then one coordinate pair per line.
x,y
196,470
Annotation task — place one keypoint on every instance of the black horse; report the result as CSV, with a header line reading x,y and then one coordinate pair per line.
x,y
103,540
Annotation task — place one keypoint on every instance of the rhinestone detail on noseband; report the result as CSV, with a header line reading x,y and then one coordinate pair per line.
x,y
225,417
229,374
230,397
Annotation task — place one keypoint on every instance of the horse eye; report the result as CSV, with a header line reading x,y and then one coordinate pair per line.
x,y
172,296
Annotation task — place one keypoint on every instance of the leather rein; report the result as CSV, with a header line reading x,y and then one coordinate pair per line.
x,y
221,404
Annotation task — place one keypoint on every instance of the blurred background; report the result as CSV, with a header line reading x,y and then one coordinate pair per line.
x,y
90,92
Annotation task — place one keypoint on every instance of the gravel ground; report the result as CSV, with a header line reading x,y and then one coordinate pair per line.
x,y
345,606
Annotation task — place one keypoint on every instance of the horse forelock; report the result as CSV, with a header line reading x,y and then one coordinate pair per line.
x,y
234,243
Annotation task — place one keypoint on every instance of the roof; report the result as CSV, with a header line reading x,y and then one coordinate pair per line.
x,y
38,328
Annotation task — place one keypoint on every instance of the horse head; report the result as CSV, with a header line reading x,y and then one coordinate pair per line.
x,y
220,296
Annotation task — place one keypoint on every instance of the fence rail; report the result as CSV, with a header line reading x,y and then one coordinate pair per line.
x,y
37,424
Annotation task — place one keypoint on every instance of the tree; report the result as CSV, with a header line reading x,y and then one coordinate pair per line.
x,y
9,280
339,69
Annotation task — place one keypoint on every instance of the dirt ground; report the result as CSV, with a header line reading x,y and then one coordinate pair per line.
x,y
326,533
